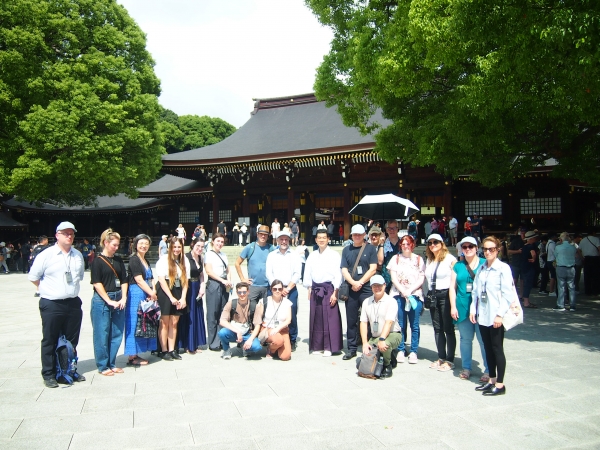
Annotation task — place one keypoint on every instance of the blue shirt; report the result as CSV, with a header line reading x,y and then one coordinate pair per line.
x,y
257,264
463,298
565,255
50,268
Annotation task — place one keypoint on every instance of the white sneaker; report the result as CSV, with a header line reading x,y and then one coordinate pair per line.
x,y
412,358
226,354
552,294
400,357
326,353
315,353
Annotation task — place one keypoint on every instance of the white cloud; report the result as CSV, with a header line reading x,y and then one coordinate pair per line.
x,y
214,56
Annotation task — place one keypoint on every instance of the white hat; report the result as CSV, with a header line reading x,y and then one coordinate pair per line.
x,y
357,229
469,219
469,240
377,279
2,244
284,233
65,226
434,236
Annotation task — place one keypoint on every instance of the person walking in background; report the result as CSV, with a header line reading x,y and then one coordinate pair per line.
x,y
181,233
565,271
163,248
528,261
590,250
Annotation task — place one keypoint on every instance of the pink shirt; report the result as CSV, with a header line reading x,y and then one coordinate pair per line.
x,y
409,272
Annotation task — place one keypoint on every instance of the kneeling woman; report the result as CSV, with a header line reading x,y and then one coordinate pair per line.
x,y
109,279
277,317
173,272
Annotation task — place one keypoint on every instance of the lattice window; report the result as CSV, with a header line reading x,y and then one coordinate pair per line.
x,y
483,207
188,216
223,215
550,205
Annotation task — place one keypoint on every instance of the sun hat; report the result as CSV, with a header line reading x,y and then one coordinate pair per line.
x,y
357,229
469,240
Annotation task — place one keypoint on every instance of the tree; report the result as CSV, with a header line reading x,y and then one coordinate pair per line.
x,y
471,86
78,102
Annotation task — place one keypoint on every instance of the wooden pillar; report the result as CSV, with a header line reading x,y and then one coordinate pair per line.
x,y
215,214
347,207
246,205
291,206
447,198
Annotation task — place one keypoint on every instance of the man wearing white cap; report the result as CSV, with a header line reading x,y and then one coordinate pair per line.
x,y
57,273
286,266
163,248
359,264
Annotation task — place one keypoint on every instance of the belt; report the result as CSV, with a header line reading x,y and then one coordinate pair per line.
x,y
192,279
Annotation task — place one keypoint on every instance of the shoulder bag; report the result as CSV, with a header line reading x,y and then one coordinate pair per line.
x,y
430,297
514,315
344,290
370,366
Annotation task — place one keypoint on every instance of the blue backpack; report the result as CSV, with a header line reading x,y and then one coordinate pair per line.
x,y
66,362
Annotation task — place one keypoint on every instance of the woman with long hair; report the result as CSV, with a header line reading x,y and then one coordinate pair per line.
x,y
217,291
461,287
191,331
439,274
173,274
141,288
407,272
493,293
109,279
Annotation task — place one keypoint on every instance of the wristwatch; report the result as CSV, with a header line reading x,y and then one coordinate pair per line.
x,y
382,339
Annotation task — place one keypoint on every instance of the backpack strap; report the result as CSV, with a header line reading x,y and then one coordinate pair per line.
x,y
252,248
233,309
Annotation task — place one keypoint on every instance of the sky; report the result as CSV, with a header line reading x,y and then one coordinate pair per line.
x,y
214,56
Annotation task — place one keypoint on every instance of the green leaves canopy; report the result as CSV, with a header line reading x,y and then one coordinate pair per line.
x,y
78,102
493,88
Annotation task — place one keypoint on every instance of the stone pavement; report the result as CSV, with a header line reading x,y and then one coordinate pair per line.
x,y
552,379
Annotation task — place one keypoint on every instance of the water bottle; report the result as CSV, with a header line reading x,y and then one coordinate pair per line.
x,y
73,366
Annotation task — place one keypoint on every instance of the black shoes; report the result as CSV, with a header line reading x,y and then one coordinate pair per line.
x,y
394,361
294,346
166,356
50,383
386,372
78,378
484,387
495,391
558,309
175,355
349,356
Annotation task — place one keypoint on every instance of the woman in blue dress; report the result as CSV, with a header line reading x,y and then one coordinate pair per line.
x,y
191,331
140,289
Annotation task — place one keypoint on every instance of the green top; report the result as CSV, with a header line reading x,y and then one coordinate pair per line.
x,y
463,298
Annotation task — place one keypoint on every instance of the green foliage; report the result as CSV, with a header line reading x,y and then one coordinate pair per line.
x,y
78,102
190,131
471,86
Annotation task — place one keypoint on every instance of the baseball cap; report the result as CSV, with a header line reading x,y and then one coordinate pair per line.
x,y
377,279
374,230
284,233
357,229
65,226
434,236
469,240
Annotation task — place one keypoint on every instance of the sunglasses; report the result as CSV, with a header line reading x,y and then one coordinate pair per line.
x,y
242,292
465,247
277,289
489,249
430,243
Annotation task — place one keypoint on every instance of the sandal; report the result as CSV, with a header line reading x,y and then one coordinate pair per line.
x,y
465,374
531,305
108,373
137,361
485,378
436,364
117,370
446,366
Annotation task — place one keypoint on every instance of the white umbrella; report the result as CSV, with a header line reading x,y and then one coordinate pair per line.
x,y
383,207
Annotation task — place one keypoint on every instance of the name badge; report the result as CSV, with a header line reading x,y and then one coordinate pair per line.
x,y
277,323
484,298
375,327
69,277
177,283
469,287
117,283
359,270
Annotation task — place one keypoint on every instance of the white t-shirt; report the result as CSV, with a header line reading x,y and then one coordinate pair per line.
x,y
453,223
443,274
276,312
275,228
180,233
212,257
162,268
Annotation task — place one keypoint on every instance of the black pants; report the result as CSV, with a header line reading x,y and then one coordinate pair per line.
x,y
216,299
353,305
58,317
591,275
493,342
445,339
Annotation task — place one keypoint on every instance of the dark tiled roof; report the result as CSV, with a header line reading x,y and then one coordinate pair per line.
x,y
8,222
118,202
281,126
170,183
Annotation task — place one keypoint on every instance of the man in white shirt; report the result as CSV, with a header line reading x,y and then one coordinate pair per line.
x,y
57,273
452,229
275,229
590,250
380,311
286,266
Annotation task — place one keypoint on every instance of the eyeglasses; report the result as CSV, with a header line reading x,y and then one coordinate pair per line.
x,y
465,247
377,286
66,234
242,292
489,249
276,289
430,243
392,228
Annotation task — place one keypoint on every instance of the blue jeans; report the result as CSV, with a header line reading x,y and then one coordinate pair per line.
x,y
466,330
226,336
108,324
565,277
293,297
413,316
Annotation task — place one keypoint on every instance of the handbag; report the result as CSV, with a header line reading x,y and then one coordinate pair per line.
x,y
430,298
370,365
148,318
514,315
344,289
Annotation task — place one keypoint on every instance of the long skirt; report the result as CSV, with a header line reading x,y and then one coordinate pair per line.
x,y
191,330
135,345
325,320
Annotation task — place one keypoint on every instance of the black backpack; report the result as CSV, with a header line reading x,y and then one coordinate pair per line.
x,y
250,312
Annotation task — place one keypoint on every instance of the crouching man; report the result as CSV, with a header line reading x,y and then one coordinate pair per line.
x,y
380,311
238,319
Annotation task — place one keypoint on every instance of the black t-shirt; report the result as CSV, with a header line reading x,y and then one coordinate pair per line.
x,y
102,272
369,256
516,244
136,267
526,256
195,271
26,250
221,228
